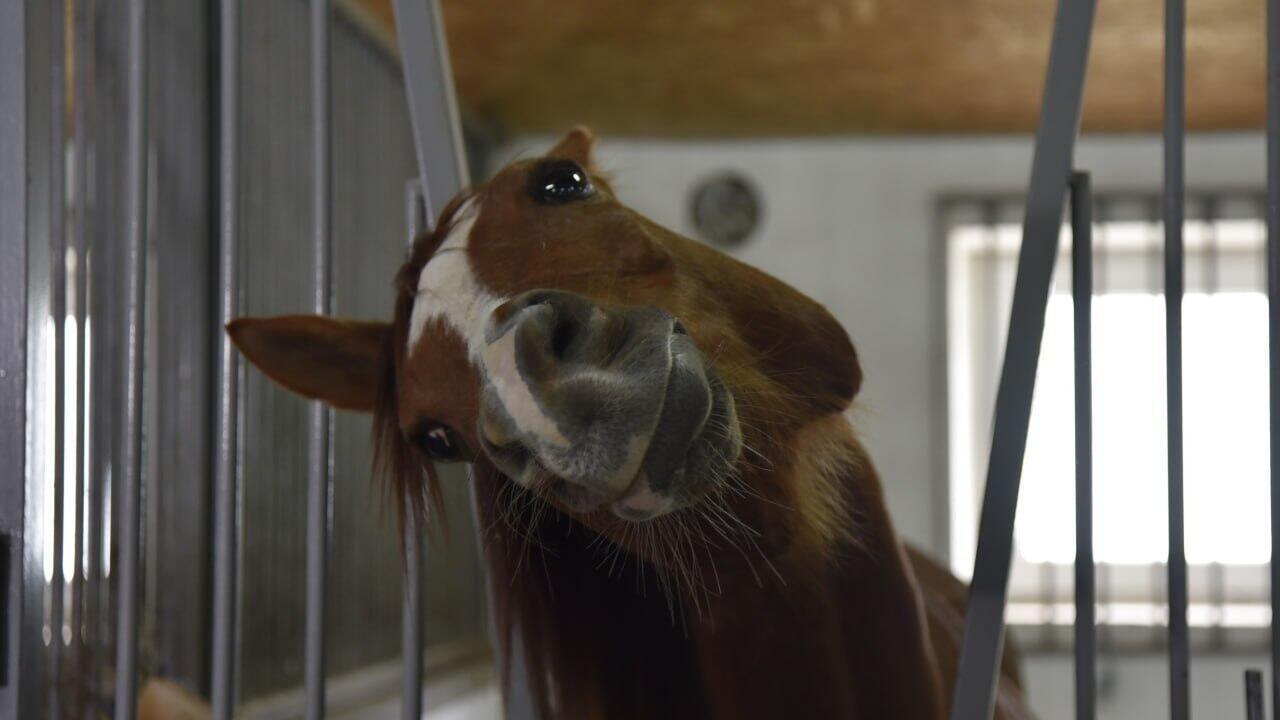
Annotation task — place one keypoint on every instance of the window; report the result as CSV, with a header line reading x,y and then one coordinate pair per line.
x,y
1225,413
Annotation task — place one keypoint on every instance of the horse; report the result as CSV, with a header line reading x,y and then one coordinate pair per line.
x,y
678,518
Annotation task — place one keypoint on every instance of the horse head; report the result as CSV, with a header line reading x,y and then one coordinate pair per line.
x,y
611,367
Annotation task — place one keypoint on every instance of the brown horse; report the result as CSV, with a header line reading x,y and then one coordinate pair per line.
x,y
678,517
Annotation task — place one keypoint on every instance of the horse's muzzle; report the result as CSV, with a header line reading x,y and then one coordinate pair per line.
x,y
597,405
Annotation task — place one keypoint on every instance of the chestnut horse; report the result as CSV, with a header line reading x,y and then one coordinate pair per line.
x,y
677,516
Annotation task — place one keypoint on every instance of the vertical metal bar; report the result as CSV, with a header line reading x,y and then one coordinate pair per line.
x,y
20,691
442,172
321,464
411,620
1086,642
1273,327
226,476
1174,266
1050,169
130,484
433,111
1253,695
82,43
58,309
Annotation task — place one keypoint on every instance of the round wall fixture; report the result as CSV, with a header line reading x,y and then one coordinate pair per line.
x,y
726,209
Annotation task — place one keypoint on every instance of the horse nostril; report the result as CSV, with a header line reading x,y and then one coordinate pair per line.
x,y
561,337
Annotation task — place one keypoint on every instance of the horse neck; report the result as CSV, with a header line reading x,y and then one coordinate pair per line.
x,y
838,626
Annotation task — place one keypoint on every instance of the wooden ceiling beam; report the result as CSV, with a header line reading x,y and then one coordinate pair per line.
x,y
721,68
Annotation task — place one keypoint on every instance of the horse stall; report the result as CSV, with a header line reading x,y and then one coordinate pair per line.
x,y
1060,289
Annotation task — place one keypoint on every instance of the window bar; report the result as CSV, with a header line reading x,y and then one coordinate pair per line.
x,y
1273,325
82,82
58,309
319,477
135,284
1211,279
226,465
1212,263
1174,269
411,622
1082,297
1253,695
1050,169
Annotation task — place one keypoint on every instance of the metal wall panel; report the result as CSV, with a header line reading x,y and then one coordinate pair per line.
x,y
372,159
182,323
177,415
24,156
37,560
275,276
106,270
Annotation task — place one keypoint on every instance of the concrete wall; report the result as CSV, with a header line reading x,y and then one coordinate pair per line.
x,y
853,222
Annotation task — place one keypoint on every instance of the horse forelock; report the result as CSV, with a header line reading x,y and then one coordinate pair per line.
x,y
404,474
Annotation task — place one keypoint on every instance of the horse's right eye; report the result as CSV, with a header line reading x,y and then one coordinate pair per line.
x,y
555,182
438,442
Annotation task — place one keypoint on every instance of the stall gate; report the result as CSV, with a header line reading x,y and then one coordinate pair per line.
x,y
80,282
166,167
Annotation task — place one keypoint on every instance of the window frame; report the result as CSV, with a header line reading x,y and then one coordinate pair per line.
x,y
1228,603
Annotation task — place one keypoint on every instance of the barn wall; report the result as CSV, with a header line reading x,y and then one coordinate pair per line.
x,y
853,222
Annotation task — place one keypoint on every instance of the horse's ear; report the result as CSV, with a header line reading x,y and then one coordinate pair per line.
x,y
337,361
575,146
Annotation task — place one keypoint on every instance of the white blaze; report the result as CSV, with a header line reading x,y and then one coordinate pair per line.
x,y
448,289
514,393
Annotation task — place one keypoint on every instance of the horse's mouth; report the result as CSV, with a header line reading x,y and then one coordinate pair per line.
x,y
600,408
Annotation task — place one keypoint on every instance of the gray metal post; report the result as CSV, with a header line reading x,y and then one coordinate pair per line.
x,y
411,620
83,74
433,111
1050,169
1253,695
22,75
320,468
226,475
128,540
1082,297
58,309
1273,326
442,172
1174,34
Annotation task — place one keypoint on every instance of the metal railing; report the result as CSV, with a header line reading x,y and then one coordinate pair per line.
x,y
1051,177
33,105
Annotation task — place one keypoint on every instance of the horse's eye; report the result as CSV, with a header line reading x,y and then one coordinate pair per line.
x,y
555,182
438,442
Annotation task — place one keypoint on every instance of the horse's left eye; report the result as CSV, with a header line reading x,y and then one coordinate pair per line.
x,y
438,442
555,182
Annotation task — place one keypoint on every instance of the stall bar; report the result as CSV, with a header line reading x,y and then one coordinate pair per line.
x,y
438,140
1050,172
129,540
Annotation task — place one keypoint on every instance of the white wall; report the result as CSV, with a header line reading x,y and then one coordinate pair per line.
x,y
853,222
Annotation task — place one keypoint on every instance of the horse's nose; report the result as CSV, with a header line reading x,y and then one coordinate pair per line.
x,y
573,389
548,328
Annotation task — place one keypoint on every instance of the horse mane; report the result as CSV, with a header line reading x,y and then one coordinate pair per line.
x,y
399,468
